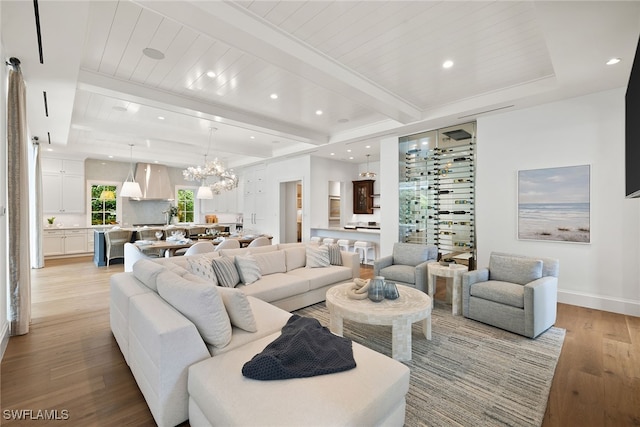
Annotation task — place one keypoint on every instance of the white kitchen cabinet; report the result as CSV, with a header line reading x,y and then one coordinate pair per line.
x,y
223,202
254,180
53,242
65,242
62,186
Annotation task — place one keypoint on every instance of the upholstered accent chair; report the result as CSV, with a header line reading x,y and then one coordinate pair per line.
x,y
407,265
516,293
115,240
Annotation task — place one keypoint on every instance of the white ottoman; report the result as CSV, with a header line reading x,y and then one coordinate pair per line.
x,y
371,394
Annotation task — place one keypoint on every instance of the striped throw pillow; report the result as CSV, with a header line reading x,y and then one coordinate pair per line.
x,y
317,256
248,269
226,272
335,257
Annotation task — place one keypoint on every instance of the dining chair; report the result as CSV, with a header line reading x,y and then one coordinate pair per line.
x,y
228,244
260,241
200,248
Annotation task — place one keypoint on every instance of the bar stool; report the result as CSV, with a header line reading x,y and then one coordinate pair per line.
x,y
363,248
345,245
316,239
328,241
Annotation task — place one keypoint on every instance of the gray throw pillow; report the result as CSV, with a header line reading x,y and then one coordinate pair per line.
x,y
335,257
226,272
514,269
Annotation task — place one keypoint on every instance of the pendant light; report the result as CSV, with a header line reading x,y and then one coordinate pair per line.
x,y
204,191
130,188
367,173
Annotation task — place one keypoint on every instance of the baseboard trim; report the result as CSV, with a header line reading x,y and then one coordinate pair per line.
x,y
599,302
4,339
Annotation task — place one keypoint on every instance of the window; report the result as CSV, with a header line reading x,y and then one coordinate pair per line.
x,y
186,205
103,204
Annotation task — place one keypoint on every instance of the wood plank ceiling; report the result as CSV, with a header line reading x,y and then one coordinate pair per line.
x,y
371,67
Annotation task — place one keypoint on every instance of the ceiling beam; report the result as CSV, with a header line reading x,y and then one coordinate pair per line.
x,y
240,28
133,92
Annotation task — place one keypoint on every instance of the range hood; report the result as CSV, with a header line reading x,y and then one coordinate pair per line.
x,y
154,182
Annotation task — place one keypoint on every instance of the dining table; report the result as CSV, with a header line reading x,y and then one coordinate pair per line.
x,y
170,246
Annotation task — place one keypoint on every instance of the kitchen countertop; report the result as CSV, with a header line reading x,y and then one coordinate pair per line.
x,y
350,230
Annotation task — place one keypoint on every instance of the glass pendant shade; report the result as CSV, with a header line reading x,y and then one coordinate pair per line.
x,y
107,195
204,192
130,188
367,173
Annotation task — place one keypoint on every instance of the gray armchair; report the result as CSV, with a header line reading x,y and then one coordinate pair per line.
x,y
516,293
407,265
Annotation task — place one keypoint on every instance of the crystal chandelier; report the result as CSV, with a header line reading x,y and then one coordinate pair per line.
x,y
227,179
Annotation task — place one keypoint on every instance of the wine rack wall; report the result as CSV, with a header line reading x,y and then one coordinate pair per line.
x,y
437,189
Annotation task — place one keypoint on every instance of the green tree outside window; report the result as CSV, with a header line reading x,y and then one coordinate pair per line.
x,y
186,205
103,207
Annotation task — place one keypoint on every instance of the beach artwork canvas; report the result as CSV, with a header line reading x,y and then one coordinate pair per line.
x,y
554,204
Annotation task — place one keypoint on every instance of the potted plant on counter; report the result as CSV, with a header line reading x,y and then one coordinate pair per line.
x,y
50,221
172,214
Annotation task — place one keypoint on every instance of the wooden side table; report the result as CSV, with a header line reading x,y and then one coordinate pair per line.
x,y
453,274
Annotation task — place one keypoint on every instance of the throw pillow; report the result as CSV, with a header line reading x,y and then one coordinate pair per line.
x,y
199,302
147,272
296,257
238,309
226,272
272,262
203,267
317,256
248,269
335,257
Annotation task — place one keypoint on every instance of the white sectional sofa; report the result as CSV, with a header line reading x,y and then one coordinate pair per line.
x,y
186,363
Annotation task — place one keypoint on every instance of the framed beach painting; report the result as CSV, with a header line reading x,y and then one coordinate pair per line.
x,y
554,204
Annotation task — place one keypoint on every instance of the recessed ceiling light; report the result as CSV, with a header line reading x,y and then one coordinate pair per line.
x,y
367,146
613,61
350,157
160,117
349,150
153,53
273,96
211,74
110,156
156,161
252,137
318,112
49,149
332,154
447,64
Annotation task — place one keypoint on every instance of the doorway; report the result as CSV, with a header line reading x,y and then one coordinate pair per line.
x,y
291,211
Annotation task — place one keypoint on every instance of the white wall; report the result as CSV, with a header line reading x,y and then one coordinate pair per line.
x,y
294,169
389,195
604,274
322,172
4,324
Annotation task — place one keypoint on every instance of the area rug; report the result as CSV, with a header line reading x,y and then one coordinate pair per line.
x,y
469,374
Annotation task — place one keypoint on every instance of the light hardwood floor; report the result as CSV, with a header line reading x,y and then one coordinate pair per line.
x,y
71,362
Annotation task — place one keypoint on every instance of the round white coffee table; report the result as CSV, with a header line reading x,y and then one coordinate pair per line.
x,y
452,272
412,306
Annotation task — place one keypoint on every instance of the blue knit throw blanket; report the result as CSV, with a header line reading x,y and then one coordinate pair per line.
x,y
304,349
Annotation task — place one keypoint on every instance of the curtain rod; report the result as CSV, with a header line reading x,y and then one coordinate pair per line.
x,y
13,62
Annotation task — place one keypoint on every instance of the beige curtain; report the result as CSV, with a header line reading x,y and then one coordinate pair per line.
x,y
18,209
36,219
